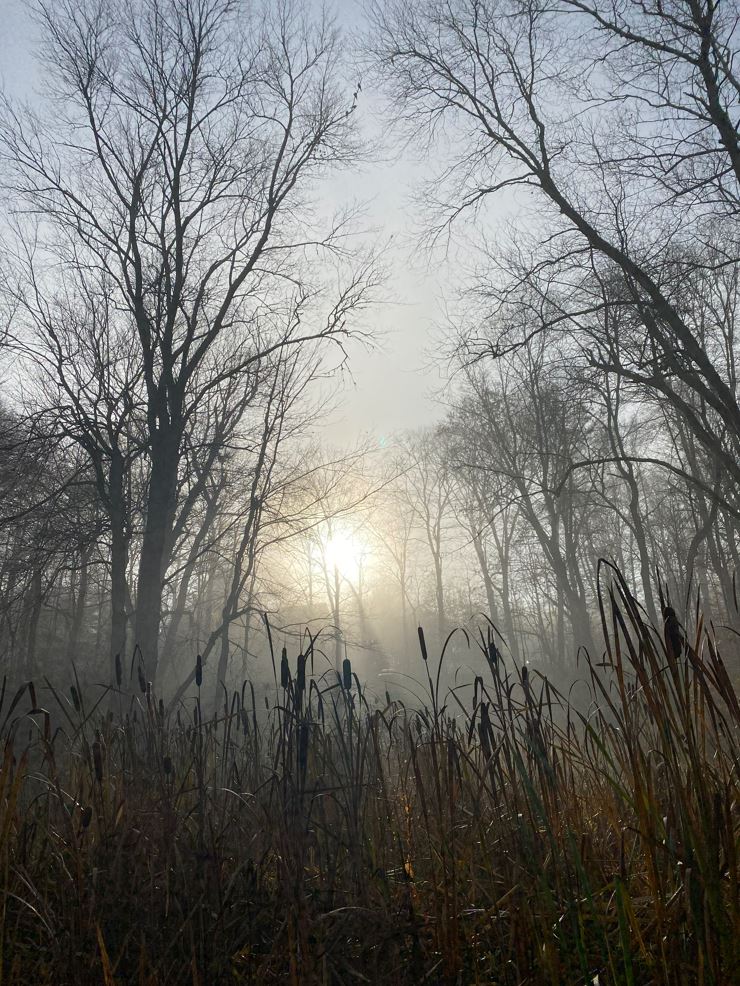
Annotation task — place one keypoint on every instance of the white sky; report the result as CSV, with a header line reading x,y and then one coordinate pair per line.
x,y
390,388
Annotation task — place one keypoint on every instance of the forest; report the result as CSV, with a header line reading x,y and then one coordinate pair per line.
x,y
452,705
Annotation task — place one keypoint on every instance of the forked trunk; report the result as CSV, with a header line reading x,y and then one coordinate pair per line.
x,y
155,552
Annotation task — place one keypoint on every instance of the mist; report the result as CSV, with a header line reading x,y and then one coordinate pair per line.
x,y
369,484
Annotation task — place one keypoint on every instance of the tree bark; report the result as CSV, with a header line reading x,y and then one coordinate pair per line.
x,y
155,548
78,611
119,563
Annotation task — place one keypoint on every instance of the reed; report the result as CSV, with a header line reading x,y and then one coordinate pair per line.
x,y
497,833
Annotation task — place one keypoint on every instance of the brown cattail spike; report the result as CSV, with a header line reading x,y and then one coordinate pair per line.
x,y
284,669
423,644
674,639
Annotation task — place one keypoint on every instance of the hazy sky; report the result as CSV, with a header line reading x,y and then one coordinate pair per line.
x,y
391,387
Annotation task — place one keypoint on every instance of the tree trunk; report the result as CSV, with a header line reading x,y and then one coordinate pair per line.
x,y
638,529
506,605
119,564
439,592
170,642
78,611
486,575
34,614
154,550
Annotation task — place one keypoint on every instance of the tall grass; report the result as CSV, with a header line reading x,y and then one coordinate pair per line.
x,y
499,834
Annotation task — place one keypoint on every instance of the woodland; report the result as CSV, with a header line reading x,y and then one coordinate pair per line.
x,y
458,705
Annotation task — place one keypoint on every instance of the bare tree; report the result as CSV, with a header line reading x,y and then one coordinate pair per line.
x,y
428,489
196,128
632,147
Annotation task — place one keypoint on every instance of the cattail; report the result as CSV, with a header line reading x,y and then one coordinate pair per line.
x,y
423,644
347,674
119,670
199,671
161,708
485,731
300,676
86,816
674,639
303,745
97,753
284,669
75,698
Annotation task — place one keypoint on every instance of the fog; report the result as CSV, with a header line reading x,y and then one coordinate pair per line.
x,y
369,492
323,342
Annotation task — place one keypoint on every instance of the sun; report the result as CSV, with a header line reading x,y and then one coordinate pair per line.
x,y
345,553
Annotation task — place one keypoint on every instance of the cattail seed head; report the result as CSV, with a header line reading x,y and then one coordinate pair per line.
x,y
301,672
347,673
284,669
423,644
199,671
119,670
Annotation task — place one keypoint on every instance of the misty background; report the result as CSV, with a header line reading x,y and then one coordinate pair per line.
x,y
485,358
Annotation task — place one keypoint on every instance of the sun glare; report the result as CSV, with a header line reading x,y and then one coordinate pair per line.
x,y
345,552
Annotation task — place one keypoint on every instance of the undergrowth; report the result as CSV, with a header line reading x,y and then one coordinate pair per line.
x,y
500,834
